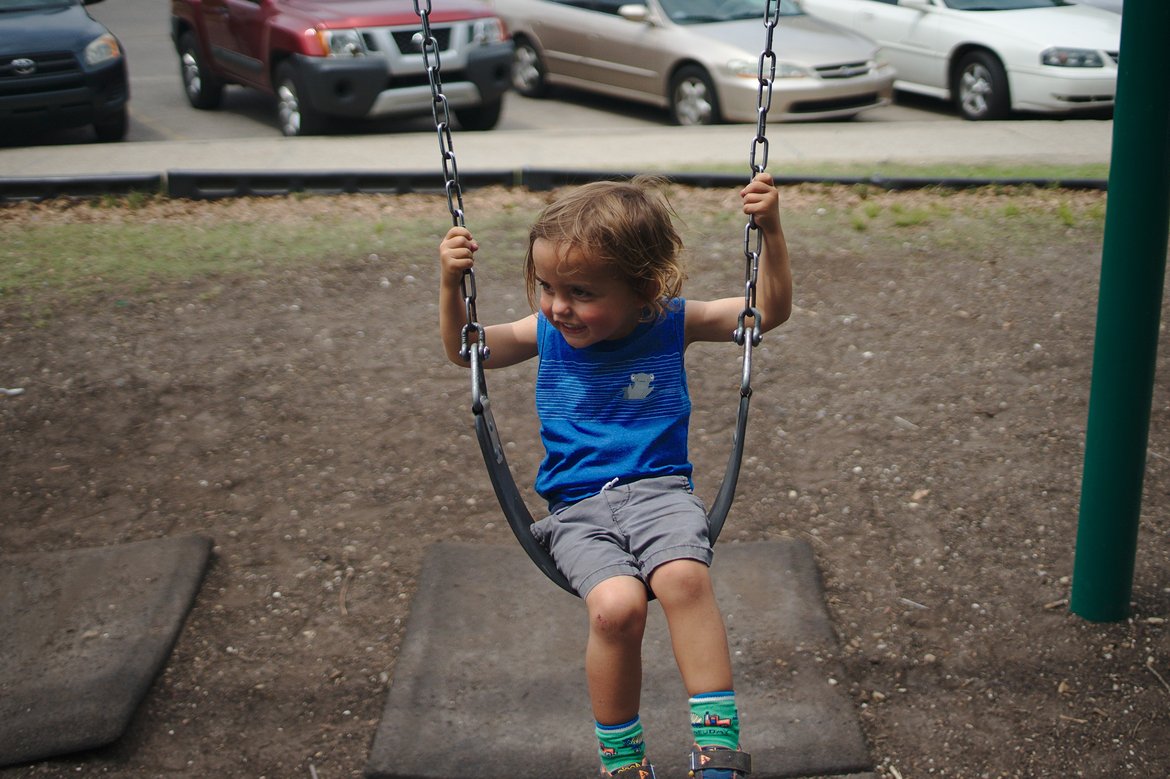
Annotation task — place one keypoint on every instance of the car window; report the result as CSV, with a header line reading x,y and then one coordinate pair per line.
x,y
608,6
588,5
708,11
1002,5
32,5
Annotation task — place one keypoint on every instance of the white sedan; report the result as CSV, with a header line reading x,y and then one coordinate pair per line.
x,y
992,56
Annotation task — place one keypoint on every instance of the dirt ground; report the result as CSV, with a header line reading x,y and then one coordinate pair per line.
x,y
920,420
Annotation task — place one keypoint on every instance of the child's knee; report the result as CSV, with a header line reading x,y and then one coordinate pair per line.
x,y
682,581
617,608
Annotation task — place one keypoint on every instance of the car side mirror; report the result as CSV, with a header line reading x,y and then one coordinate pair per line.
x,y
635,12
917,5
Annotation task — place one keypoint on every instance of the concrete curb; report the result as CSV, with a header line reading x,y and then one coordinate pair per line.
x,y
218,184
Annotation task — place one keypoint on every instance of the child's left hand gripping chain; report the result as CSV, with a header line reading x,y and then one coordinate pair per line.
x,y
456,254
761,201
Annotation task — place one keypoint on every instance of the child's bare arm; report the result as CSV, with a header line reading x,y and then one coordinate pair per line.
x,y
508,343
715,320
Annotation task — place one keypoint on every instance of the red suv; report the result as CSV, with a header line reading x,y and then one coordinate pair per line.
x,y
343,58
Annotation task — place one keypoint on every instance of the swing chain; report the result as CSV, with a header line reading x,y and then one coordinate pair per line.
x,y
752,238
440,110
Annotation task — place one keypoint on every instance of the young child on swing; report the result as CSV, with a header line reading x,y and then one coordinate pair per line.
x,y
604,276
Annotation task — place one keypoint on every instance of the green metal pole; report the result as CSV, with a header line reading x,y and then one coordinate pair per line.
x,y
1133,267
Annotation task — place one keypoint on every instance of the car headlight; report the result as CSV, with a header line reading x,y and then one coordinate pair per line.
x,y
751,69
102,49
487,31
788,70
1063,57
342,43
744,68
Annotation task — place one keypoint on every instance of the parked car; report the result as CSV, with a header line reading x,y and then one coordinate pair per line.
x,y
992,56
342,58
1108,5
698,58
59,68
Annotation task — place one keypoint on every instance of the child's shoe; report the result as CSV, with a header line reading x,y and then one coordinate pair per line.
x,y
641,770
719,763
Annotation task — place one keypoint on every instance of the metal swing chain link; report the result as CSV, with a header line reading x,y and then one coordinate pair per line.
x,y
753,239
440,110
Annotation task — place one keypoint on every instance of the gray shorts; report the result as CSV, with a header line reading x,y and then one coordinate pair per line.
x,y
626,530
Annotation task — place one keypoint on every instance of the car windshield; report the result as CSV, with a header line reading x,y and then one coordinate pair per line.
x,y
1002,5
708,11
32,5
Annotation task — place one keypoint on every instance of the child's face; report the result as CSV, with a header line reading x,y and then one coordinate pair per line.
x,y
583,299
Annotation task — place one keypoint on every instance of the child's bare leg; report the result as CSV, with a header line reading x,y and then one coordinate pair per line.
x,y
613,654
698,637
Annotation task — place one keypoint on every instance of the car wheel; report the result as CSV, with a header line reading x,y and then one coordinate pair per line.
x,y
481,117
981,88
112,127
203,90
528,71
692,97
294,115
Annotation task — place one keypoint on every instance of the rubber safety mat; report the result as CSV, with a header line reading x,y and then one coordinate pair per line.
x,y
84,634
490,681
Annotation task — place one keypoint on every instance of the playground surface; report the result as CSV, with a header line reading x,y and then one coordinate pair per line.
x,y
919,423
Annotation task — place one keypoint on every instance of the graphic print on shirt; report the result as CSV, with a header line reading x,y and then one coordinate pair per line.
x,y
639,387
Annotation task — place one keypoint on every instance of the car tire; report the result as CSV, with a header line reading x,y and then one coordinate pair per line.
x,y
481,117
692,97
528,70
981,87
204,91
113,127
293,114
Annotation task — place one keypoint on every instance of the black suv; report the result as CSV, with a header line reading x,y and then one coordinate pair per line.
x,y
59,67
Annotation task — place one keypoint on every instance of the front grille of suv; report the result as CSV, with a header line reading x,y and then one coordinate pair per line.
x,y
55,72
404,39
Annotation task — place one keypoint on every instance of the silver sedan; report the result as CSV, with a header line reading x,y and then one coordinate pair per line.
x,y
700,59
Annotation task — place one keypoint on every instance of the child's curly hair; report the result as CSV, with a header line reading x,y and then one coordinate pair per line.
x,y
627,226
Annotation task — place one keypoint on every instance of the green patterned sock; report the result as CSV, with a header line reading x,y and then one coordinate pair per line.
x,y
620,745
715,719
